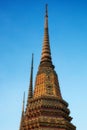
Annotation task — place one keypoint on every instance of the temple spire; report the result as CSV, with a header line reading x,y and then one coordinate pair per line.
x,y
30,93
46,52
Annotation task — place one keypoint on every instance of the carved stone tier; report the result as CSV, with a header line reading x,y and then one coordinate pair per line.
x,y
48,112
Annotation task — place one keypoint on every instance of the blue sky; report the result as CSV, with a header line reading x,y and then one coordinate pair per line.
x,y
21,34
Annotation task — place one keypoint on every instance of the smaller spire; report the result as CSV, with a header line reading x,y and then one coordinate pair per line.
x,y
30,93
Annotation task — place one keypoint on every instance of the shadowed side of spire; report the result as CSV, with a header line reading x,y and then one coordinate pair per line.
x,y
23,113
46,52
30,93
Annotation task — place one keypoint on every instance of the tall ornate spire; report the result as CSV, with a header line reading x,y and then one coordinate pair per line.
x,y
22,116
46,52
30,93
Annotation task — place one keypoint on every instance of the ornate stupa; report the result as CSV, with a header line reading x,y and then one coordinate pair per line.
x,y
46,109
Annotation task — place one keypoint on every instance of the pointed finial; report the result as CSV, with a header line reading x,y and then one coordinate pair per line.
x,y
47,10
30,93
32,61
46,17
31,79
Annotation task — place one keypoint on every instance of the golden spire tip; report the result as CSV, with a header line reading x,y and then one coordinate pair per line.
x,y
46,9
